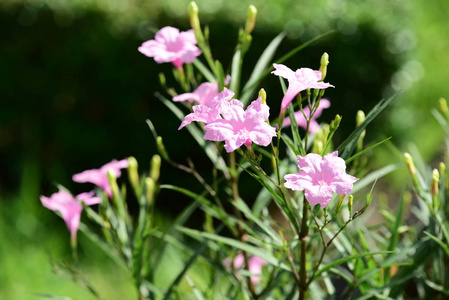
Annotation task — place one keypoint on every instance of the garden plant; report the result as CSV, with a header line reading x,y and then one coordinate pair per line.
x,y
308,233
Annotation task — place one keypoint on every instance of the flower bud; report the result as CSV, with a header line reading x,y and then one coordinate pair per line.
x,y
369,198
250,19
263,95
113,183
434,184
335,123
409,163
161,148
318,146
360,117
323,67
150,189
442,168
193,15
155,167
339,203
350,204
133,175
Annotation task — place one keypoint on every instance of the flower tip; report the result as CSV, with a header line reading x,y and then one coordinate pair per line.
x,y
360,117
193,8
410,164
251,19
263,95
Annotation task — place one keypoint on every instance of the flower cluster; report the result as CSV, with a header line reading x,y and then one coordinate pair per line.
x,y
227,121
320,177
70,207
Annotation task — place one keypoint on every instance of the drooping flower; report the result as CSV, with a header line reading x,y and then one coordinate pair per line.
x,y
313,124
99,177
300,80
239,127
69,207
204,93
209,112
320,177
255,264
171,45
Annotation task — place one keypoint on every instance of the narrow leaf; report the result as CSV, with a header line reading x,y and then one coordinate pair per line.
x,y
346,259
439,242
347,147
263,62
204,70
268,257
236,69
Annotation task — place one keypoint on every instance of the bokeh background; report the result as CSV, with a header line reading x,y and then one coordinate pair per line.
x,y
75,93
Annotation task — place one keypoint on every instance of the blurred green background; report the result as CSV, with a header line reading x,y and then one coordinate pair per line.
x,y
75,93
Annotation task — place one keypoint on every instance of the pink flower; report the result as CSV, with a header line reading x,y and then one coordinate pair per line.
x,y
99,177
239,127
69,207
204,93
320,177
209,112
300,80
301,121
170,45
255,265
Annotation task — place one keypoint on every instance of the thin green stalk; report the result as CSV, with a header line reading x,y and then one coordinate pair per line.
x,y
303,255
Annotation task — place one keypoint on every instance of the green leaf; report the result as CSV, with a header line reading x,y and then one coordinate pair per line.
x,y
373,176
236,69
250,216
295,132
299,48
439,242
263,62
347,147
204,70
346,259
278,200
196,292
268,257
290,145
366,150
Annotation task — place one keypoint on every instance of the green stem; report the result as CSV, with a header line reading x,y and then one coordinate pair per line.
x,y
303,240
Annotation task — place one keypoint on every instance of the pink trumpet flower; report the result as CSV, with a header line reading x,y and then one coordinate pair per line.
x,y
69,207
204,93
313,124
241,127
300,80
320,177
171,45
99,177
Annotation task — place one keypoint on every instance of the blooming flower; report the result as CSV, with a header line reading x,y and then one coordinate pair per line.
x,y
239,127
300,80
255,265
99,177
313,124
69,207
204,93
320,176
171,45
209,112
